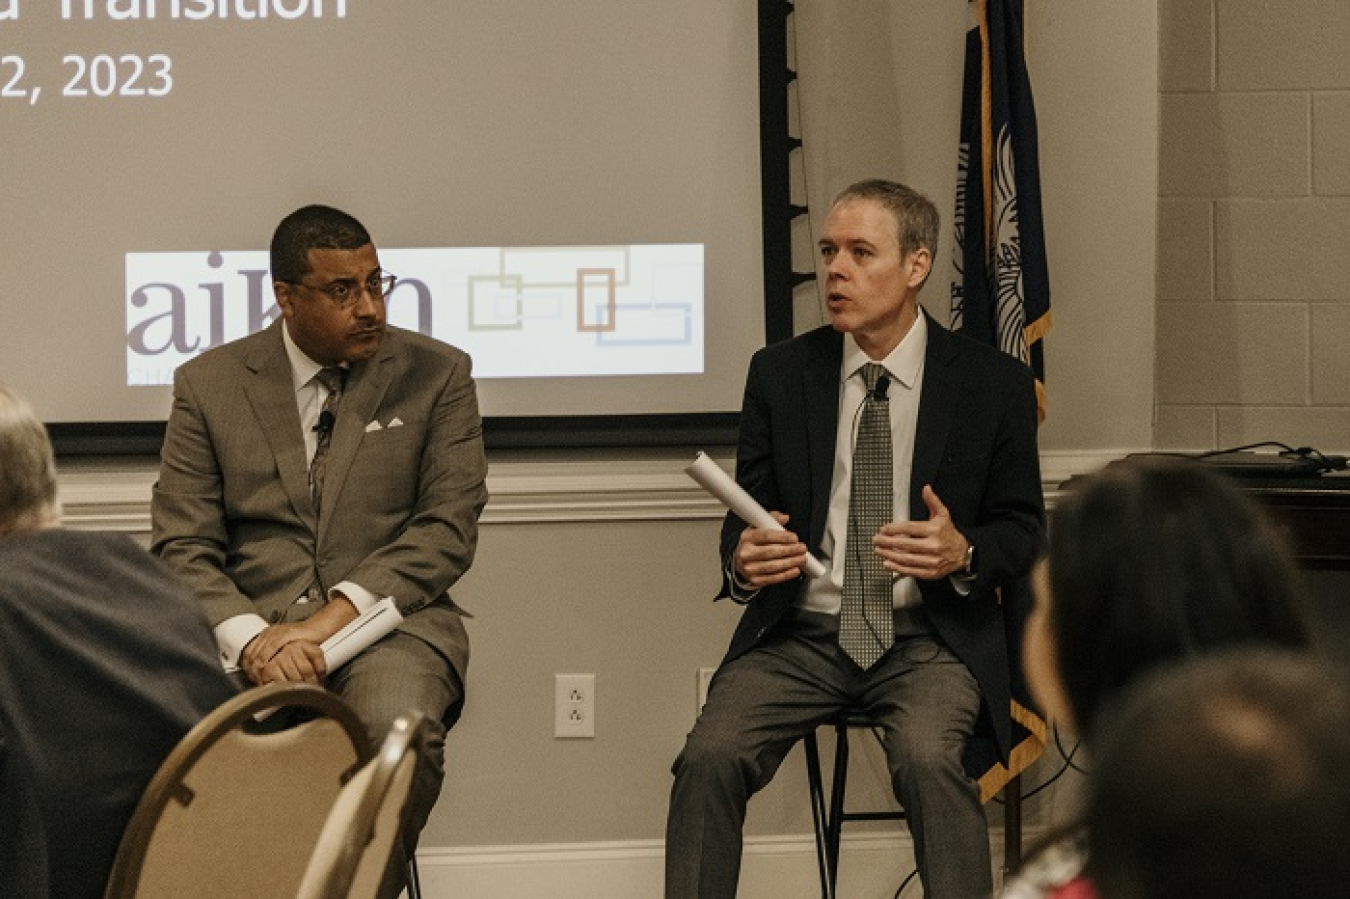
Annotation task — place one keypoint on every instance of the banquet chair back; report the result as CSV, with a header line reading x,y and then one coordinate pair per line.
x,y
237,808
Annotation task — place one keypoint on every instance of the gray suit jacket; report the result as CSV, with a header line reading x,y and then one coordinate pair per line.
x,y
232,511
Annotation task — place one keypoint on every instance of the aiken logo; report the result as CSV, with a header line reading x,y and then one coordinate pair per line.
x,y
519,311
183,304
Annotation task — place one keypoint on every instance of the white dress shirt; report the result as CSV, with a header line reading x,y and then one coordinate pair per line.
x,y
904,366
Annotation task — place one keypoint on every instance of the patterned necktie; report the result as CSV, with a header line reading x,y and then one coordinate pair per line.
x,y
333,378
866,627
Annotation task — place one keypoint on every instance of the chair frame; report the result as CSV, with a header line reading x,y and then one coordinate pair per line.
x,y
406,737
242,711
829,821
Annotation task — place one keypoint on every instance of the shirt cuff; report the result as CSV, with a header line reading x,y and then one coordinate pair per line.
x,y
233,634
739,590
357,595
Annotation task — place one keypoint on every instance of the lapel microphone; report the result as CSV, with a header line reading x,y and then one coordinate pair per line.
x,y
326,419
883,385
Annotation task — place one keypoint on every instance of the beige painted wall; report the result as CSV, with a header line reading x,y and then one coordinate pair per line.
x,y
627,601
1254,212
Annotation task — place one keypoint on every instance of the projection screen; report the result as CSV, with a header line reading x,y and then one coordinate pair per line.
x,y
568,191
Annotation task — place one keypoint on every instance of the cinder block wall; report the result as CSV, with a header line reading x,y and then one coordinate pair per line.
x,y
1253,327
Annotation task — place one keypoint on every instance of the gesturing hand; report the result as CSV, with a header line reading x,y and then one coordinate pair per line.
x,y
927,550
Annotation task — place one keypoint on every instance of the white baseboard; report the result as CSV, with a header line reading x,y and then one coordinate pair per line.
x,y
871,864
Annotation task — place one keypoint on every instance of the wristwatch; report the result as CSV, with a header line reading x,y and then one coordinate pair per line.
x,y
968,570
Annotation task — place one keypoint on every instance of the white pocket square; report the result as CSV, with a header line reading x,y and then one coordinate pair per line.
x,y
374,426
396,422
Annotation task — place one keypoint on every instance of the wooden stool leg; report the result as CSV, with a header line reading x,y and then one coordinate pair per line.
x,y
836,819
818,816
1012,824
413,879
414,885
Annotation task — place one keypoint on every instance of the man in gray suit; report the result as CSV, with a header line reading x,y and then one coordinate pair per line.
x,y
324,463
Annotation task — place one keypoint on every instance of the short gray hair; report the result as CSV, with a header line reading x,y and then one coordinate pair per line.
x,y
27,467
916,218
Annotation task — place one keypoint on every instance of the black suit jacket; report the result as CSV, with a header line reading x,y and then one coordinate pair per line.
x,y
106,661
975,443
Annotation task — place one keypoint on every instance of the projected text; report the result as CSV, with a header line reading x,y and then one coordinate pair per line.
x,y
128,71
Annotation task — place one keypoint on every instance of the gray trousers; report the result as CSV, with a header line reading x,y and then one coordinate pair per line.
x,y
402,673
926,703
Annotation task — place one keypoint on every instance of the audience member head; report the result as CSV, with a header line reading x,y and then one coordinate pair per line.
x,y
1152,560
1224,778
916,218
312,228
27,470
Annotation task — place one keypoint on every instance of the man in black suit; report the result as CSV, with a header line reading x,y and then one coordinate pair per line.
x,y
965,512
106,661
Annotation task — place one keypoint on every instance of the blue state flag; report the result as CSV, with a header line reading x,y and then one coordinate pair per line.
x,y
1001,287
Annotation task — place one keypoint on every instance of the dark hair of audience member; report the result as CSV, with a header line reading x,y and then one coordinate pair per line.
x,y
1225,778
1155,559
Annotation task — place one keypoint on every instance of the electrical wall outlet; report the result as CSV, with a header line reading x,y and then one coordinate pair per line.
x,y
705,676
573,705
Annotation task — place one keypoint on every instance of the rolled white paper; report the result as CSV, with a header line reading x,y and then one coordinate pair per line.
x,y
360,632
713,479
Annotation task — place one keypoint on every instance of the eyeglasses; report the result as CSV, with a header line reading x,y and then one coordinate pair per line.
x,y
344,294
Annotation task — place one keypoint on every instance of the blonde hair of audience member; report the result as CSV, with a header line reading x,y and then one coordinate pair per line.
x,y
1227,777
1152,560
27,469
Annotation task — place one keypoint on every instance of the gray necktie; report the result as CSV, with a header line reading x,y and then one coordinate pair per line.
x,y
333,378
866,628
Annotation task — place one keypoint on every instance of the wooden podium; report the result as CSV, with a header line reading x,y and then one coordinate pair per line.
x,y
1314,514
